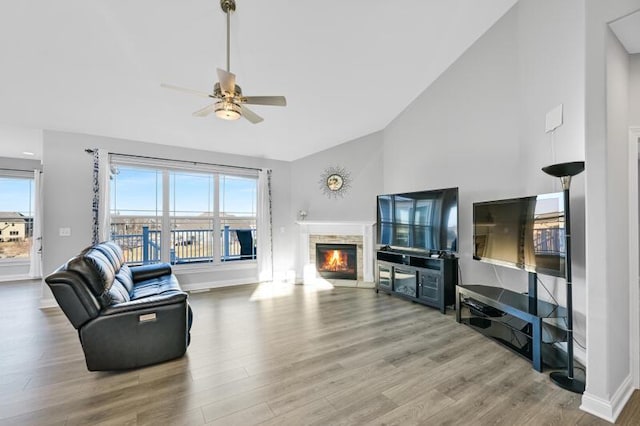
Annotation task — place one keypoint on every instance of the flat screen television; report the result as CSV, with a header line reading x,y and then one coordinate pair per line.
x,y
426,221
525,233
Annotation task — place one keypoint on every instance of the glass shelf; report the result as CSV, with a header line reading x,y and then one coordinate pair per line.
x,y
526,325
511,302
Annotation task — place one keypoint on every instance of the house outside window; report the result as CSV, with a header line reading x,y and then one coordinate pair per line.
x,y
16,216
209,214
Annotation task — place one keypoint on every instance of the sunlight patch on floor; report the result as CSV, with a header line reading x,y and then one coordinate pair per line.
x,y
317,284
313,282
271,290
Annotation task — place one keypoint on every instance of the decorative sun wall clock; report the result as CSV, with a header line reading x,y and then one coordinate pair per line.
x,y
335,181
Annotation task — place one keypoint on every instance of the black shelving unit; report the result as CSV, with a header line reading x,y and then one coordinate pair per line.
x,y
417,277
516,320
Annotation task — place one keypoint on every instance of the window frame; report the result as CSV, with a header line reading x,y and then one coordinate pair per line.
x,y
26,175
166,166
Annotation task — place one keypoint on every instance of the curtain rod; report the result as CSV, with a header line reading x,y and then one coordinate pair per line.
x,y
90,151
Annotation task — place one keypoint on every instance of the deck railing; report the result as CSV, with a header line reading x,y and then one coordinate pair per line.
x,y
187,245
548,241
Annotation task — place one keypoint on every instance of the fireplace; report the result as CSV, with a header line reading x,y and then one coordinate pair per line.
x,y
358,233
337,261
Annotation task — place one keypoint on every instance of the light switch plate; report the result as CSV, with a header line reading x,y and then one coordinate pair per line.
x,y
64,232
553,119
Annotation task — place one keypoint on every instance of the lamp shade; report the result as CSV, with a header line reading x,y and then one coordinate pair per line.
x,y
564,169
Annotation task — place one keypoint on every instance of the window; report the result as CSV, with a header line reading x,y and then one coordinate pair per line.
x,y
16,215
136,213
210,214
192,216
238,211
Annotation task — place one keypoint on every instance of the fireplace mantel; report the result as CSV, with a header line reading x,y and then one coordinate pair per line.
x,y
363,228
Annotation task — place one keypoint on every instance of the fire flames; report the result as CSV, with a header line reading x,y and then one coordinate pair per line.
x,y
335,260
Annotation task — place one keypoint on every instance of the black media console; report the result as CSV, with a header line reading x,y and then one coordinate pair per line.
x,y
522,322
417,277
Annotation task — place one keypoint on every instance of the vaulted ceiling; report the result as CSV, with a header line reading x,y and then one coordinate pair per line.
x,y
627,29
347,68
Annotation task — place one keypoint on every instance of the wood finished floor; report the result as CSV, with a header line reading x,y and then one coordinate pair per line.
x,y
290,355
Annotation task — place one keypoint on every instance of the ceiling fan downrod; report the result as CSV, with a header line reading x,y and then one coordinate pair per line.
x,y
228,6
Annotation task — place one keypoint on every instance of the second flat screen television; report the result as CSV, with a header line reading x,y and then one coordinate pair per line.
x,y
525,233
425,220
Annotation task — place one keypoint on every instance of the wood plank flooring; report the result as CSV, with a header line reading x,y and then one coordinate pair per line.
x,y
286,355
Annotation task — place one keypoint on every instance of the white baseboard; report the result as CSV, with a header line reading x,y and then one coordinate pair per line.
x,y
17,277
48,303
608,410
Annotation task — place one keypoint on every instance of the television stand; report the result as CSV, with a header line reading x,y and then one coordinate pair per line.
x,y
516,320
417,277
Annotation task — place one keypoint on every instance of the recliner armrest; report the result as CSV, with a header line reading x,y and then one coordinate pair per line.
x,y
147,272
146,303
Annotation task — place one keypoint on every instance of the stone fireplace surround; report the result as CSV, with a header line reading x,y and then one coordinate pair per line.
x,y
359,233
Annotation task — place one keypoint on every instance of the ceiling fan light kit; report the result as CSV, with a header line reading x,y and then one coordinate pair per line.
x,y
227,110
230,102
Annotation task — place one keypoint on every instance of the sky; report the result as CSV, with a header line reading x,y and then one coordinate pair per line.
x,y
139,191
15,195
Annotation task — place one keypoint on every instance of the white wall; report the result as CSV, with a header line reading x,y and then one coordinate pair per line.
x,y
634,218
617,73
362,159
609,381
463,131
634,90
551,72
68,195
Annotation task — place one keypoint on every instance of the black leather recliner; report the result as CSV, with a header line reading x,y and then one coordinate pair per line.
x,y
126,317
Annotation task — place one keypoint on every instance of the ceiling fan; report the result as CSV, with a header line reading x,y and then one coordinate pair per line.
x,y
230,102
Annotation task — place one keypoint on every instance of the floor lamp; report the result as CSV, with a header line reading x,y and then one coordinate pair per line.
x,y
565,171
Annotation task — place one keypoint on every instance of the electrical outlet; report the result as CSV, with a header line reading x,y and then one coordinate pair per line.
x,y
64,232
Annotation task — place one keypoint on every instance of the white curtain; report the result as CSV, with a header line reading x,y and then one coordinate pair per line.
x,y
104,179
264,227
35,258
101,198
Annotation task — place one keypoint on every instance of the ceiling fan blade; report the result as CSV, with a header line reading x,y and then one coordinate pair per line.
x,y
227,81
250,115
182,89
265,100
205,111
